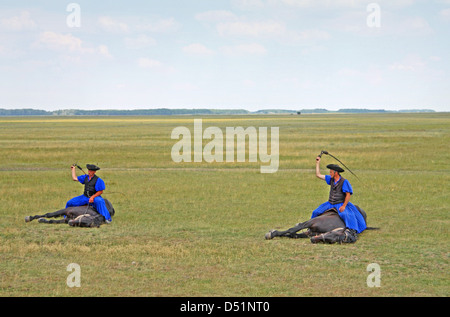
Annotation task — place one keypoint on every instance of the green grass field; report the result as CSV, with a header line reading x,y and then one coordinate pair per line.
x,y
197,229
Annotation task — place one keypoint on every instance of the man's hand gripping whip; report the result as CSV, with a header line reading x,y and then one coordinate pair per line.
x,y
78,166
326,153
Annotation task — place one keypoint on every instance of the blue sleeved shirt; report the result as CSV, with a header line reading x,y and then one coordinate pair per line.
x,y
99,185
346,187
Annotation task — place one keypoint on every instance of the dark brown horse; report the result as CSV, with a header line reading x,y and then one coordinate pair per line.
x,y
82,216
328,228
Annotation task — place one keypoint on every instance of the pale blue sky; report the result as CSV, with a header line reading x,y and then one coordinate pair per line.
x,y
228,54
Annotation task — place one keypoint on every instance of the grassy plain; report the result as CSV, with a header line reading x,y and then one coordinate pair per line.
x,y
197,229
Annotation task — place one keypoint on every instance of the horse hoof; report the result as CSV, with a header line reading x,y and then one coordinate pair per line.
x,y
42,220
27,218
268,235
315,239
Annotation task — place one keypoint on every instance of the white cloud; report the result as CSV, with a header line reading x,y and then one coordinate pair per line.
x,y
445,14
411,63
241,26
256,29
104,51
140,41
319,3
336,4
244,49
61,42
21,22
67,43
311,35
113,25
248,4
158,26
125,25
149,63
435,58
197,49
153,64
214,16
392,24
415,26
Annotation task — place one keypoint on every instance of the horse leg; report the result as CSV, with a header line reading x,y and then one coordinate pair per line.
x,y
292,232
55,214
339,235
43,220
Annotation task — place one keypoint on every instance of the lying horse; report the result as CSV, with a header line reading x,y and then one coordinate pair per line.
x,y
82,216
328,228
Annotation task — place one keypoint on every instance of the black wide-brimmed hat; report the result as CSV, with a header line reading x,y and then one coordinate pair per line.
x,y
92,167
335,167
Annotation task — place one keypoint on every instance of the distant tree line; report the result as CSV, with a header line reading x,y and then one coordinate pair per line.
x,y
24,112
145,112
170,112
138,112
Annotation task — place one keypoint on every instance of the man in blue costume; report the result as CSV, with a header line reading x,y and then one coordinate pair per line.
x,y
340,192
93,188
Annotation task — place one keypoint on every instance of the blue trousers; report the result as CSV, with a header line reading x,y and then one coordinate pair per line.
x,y
351,216
99,205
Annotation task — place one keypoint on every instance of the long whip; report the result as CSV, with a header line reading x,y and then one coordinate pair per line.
x,y
327,153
